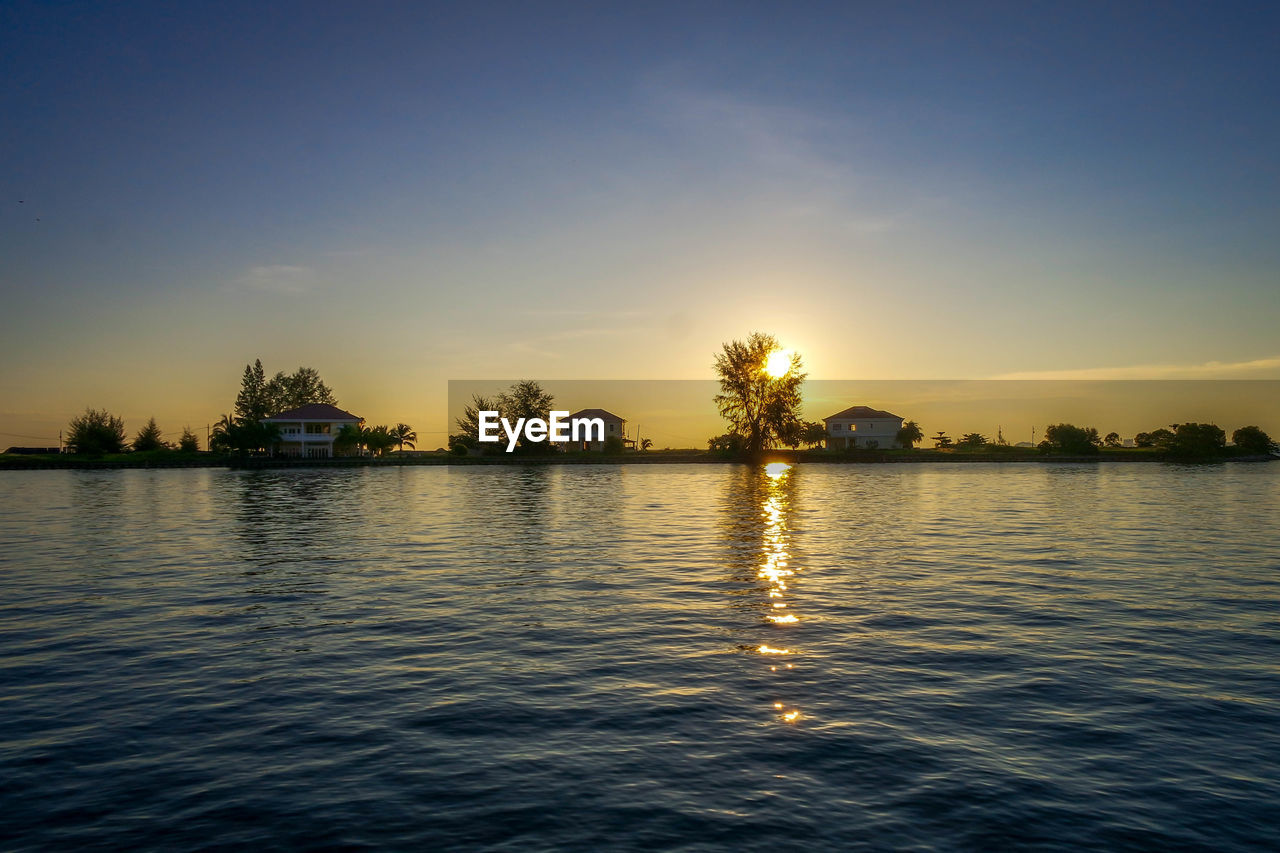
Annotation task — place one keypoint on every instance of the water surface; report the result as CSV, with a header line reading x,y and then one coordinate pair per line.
x,y
629,657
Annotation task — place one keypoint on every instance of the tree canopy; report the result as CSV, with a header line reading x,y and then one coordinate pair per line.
x,y
260,397
96,432
909,435
759,395
524,399
1251,439
1069,438
149,438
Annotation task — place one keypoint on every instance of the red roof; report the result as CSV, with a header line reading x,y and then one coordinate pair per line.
x,y
597,413
315,412
862,412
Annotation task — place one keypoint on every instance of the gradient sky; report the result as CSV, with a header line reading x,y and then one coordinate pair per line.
x,y
402,193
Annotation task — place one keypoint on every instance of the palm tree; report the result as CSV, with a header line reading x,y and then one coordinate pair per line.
x,y
222,432
404,434
646,443
379,440
910,434
349,438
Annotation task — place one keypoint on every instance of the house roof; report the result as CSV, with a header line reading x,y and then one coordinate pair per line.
x,y
862,412
597,413
315,412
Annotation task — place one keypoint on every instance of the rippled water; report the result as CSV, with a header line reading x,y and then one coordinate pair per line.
x,y
631,657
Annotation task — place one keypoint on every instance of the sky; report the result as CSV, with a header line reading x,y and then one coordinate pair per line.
x,y
401,194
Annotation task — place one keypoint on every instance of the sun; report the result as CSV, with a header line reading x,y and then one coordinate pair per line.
x,y
779,363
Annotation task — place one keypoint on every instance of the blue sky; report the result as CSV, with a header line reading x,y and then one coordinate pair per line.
x,y
399,194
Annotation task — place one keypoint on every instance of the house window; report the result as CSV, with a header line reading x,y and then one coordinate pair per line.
x,y
317,429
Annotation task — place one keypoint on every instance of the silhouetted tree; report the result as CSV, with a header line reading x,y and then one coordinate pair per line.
x,y
96,432
972,440
763,409
404,434
814,433
1251,439
378,439
148,438
941,440
289,391
348,440
646,443
730,442
1069,438
1112,439
1197,440
524,399
188,443
909,435
260,397
252,403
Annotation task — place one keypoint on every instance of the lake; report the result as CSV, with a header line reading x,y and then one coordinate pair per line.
x,y
625,657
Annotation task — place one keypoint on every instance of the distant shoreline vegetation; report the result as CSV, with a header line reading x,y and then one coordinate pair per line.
x,y
760,400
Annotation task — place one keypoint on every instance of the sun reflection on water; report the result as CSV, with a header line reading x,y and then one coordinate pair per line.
x,y
774,563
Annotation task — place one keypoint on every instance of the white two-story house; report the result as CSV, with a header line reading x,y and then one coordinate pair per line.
x,y
862,426
308,431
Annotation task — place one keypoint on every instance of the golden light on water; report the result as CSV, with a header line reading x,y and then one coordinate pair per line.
x,y
775,546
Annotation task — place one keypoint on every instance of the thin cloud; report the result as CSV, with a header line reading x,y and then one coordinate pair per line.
x,y
279,278
1262,368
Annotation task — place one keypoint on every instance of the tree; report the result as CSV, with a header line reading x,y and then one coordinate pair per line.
x,y
189,443
646,443
524,399
404,434
1197,440
972,440
468,435
730,443
1112,439
941,440
148,438
289,391
1251,439
219,440
260,397
813,433
909,435
378,439
348,439
760,391
1069,438
96,432
613,445
252,403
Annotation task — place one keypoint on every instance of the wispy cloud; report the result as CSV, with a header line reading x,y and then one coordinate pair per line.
x,y
1262,368
278,278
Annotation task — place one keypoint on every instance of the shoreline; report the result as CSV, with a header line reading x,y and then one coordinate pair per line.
x,y
17,463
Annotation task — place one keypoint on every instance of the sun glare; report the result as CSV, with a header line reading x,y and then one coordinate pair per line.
x,y
779,363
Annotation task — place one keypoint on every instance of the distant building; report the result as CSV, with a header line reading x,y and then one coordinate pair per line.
x,y
308,431
613,426
862,426
33,451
